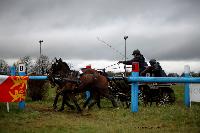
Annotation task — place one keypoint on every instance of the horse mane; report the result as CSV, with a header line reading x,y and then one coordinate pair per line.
x,y
64,65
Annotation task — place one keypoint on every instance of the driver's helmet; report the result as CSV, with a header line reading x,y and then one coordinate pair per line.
x,y
152,61
136,52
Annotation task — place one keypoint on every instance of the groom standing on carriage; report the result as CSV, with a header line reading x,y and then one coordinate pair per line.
x,y
155,70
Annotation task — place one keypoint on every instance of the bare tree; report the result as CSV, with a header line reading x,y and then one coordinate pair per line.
x,y
28,63
173,75
194,74
4,68
41,65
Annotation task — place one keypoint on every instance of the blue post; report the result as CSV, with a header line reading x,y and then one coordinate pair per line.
x,y
87,94
12,70
21,72
134,88
187,87
163,79
38,77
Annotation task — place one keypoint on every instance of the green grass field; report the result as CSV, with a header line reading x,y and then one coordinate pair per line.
x,y
39,117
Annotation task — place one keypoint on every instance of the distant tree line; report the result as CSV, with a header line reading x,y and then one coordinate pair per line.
x,y
38,66
43,63
4,68
192,74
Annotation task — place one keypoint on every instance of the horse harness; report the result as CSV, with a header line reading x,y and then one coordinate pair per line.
x,y
95,75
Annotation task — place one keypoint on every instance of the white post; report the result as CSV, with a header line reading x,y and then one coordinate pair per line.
x,y
7,104
187,86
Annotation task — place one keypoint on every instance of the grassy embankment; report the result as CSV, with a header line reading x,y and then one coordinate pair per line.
x,y
39,117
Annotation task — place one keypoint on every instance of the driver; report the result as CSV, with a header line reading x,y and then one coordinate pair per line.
x,y
138,57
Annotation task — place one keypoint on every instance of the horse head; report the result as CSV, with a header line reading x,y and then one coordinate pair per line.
x,y
52,73
63,67
59,69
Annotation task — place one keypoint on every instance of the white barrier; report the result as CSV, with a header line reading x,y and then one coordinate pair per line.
x,y
194,93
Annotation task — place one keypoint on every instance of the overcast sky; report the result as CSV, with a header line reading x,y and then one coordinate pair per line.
x,y
168,30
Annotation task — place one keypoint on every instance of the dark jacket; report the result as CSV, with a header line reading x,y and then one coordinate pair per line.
x,y
157,70
140,59
154,70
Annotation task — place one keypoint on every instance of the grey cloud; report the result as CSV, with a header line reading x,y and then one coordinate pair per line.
x,y
160,29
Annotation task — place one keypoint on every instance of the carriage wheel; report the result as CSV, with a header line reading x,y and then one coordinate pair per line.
x,y
141,98
142,95
164,99
167,96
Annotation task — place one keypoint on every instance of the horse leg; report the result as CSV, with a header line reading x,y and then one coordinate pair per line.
x,y
63,102
114,103
145,100
69,105
56,100
92,103
111,98
151,101
98,101
75,102
127,104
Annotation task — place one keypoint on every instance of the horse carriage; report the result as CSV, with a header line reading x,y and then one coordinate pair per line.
x,y
70,83
160,93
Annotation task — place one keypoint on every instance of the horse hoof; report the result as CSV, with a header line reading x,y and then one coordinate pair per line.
x,y
85,113
55,110
54,107
117,108
72,108
60,110
86,108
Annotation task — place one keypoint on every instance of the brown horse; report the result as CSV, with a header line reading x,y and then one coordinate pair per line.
x,y
90,80
58,71
97,85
